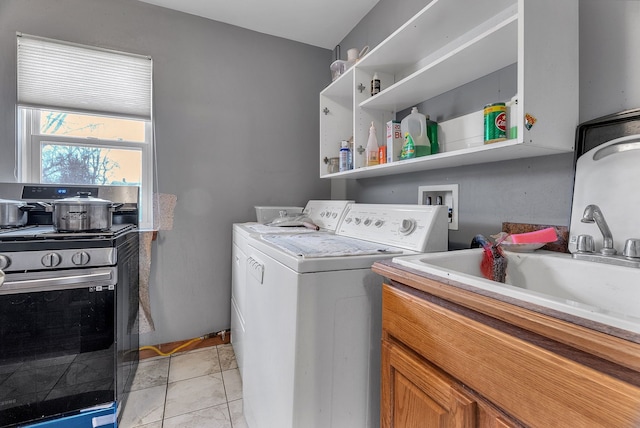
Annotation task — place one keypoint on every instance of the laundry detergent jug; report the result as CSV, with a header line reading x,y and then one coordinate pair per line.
x,y
415,124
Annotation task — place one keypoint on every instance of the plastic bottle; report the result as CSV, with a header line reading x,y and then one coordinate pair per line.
x,y
432,134
415,124
344,156
372,147
375,84
408,148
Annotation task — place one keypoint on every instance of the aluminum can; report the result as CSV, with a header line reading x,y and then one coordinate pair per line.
x,y
495,122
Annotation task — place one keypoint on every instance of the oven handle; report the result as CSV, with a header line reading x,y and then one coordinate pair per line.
x,y
58,282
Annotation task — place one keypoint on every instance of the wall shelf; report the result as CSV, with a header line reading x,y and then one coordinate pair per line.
x,y
446,45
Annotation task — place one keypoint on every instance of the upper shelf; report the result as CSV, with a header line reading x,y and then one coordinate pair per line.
x,y
472,56
445,21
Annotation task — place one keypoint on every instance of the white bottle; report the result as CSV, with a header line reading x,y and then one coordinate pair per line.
x,y
372,147
345,157
416,125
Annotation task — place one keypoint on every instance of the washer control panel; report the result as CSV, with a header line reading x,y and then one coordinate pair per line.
x,y
421,228
326,214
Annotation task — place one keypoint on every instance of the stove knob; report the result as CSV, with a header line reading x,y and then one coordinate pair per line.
x,y
367,222
51,260
379,223
407,226
357,220
80,258
5,262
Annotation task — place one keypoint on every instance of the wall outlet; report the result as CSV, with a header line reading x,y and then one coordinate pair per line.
x,y
444,194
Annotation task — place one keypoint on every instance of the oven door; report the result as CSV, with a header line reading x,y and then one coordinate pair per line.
x,y
57,350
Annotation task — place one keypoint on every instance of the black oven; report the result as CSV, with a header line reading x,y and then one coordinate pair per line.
x,y
68,317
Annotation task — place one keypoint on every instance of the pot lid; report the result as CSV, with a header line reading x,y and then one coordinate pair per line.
x,y
83,198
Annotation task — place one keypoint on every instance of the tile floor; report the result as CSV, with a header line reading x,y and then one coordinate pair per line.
x,y
195,389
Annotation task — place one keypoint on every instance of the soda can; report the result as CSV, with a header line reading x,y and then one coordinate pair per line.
x,y
495,122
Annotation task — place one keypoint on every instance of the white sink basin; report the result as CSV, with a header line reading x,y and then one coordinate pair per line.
x,y
598,292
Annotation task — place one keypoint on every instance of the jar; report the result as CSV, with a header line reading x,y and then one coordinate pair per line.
x,y
334,165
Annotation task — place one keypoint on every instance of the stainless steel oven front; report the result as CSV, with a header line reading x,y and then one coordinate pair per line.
x,y
57,343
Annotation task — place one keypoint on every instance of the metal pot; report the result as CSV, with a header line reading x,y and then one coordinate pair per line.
x,y
13,213
82,213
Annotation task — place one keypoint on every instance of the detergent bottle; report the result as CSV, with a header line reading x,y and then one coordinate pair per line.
x,y
415,124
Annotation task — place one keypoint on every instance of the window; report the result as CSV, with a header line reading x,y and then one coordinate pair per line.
x,y
85,117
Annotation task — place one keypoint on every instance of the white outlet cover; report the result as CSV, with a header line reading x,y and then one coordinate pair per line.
x,y
450,193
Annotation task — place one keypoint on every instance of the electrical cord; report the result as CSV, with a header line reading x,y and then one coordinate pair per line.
x,y
221,333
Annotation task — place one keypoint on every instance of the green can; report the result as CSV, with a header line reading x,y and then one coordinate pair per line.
x,y
495,123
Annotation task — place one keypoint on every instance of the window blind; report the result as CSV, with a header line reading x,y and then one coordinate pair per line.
x,y
66,76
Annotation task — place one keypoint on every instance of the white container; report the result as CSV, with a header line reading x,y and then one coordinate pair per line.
x,y
416,125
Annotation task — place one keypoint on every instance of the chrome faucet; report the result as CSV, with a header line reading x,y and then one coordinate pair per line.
x,y
592,213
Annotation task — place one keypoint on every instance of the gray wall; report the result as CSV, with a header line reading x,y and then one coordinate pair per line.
x,y
237,125
536,190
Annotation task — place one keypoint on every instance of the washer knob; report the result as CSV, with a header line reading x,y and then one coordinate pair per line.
x,y
408,225
5,262
51,260
80,258
367,222
379,223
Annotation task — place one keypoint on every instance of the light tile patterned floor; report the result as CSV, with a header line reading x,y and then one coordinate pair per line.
x,y
195,389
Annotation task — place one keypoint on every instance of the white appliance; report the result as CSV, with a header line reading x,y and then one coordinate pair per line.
x,y
325,214
313,311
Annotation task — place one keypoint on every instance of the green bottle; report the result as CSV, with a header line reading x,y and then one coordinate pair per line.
x,y
432,134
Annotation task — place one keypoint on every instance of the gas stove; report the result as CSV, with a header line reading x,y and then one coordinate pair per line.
x,y
69,297
26,243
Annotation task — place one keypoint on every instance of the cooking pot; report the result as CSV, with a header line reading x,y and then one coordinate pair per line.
x,y
13,213
82,213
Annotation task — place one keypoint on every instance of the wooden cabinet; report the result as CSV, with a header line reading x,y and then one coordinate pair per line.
x,y
446,365
446,45
417,394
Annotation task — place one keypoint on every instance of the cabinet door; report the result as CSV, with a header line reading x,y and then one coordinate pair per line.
x,y
417,394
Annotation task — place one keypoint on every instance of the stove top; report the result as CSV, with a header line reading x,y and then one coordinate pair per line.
x,y
46,232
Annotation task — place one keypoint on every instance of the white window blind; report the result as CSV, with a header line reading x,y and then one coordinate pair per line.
x,y
61,75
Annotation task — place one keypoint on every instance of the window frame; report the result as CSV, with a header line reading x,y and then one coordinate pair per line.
x,y
30,144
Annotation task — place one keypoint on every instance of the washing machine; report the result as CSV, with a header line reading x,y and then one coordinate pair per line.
x,y
323,213
313,307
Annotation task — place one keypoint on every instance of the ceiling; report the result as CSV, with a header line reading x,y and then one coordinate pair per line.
x,y
322,23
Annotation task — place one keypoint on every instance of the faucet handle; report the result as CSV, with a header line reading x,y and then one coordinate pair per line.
x,y
585,244
632,248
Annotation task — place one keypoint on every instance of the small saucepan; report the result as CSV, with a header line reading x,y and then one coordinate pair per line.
x,y
13,213
82,213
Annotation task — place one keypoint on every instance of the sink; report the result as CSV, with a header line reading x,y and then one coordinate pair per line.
x,y
598,292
